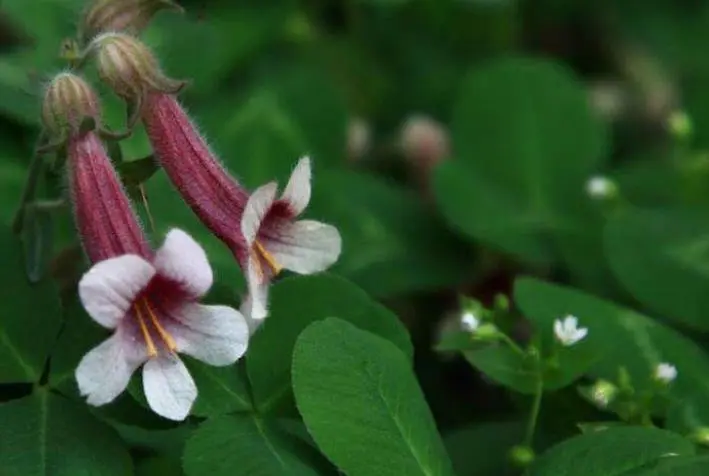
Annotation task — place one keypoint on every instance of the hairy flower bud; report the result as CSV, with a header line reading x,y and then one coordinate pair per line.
x,y
130,68
68,101
424,142
130,16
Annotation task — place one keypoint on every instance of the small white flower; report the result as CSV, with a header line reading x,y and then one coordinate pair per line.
x,y
665,373
469,322
600,188
567,331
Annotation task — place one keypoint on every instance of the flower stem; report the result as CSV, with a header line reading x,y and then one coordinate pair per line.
x,y
536,406
30,187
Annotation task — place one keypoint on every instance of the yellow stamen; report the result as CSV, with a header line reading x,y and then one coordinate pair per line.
x,y
166,337
152,351
268,258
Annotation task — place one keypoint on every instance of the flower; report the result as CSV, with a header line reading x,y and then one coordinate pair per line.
x,y
665,373
276,240
261,231
149,299
601,188
151,305
424,141
567,331
469,322
68,101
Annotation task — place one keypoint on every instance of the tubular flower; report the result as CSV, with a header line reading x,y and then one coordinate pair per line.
x,y
149,299
260,230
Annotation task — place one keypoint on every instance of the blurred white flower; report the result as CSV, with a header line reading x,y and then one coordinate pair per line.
x,y
601,188
567,331
665,373
469,322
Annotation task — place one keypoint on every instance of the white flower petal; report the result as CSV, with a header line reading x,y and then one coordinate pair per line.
x,y
182,259
105,370
254,307
297,192
169,387
256,208
559,329
217,335
305,246
108,289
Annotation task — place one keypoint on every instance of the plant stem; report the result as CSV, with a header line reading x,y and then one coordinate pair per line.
x,y
30,187
536,406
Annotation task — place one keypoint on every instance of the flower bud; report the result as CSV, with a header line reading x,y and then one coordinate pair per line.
x,y
130,68
424,142
358,139
700,436
521,456
603,393
68,102
130,16
601,188
680,125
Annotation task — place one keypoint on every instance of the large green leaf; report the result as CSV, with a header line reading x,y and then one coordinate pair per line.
x,y
246,444
392,243
662,257
361,403
525,142
297,302
612,452
678,466
47,435
31,316
622,337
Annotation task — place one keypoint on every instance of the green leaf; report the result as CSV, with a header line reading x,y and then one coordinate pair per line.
x,y
678,466
612,452
245,444
297,302
46,434
668,250
621,336
361,403
392,243
221,389
526,142
481,449
135,172
159,466
31,317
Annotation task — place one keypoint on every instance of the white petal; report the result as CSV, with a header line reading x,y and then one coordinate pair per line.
x,y
256,208
217,335
182,259
255,306
580,334
297,192
558,329
570,323
305,246
169,387
108,289
105,370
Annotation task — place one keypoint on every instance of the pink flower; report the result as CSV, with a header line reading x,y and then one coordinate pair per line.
x,y
151,305
149,299
277,240
260,230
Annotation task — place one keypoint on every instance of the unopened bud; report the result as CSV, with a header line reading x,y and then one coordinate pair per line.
x,y
130,16
521,456
424,142
700,436
603,393
680,125
358,139
488,332
68,101
601,188
130,68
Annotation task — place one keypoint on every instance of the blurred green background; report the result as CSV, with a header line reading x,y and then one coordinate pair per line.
x,y
451,139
